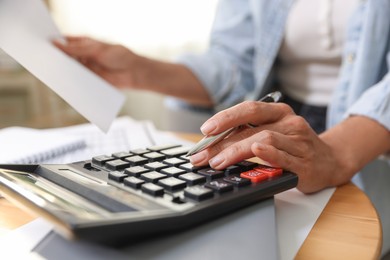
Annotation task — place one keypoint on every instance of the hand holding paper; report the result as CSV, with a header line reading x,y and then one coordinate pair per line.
x,y
26,34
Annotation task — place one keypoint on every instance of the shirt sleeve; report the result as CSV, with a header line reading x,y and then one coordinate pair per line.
x,y
226,68
375,102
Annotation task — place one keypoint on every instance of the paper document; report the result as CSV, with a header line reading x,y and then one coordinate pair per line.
x,y
26,32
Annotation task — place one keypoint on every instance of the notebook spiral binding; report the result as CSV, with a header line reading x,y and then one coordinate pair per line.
x,y
47,155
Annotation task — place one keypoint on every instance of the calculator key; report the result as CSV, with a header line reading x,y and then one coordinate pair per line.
x,y
133,182
254,176
219,186
233,169
237,181
121,155
136,160
152,189
102,159
185,158
174,161
175,152
154,156
136,171
172,184
192,178
270,171
247,165
117,176
117,165
191,168
158,148
152,176
139,151
198,193
155,166
210,173
173,171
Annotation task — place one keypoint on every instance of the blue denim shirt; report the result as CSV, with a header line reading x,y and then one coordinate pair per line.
x,y
245,41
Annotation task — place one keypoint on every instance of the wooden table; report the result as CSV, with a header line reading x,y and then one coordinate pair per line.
x,y
348,228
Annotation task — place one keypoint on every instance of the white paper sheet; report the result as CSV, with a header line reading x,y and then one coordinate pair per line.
x,y
26,32
19,243
296,214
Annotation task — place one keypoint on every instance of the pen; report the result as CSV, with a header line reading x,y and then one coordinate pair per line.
x,y
208,141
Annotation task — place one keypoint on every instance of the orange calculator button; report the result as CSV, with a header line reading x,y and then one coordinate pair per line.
x,y
254,176
270,171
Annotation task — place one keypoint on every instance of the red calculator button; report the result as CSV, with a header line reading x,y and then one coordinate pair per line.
x,y
270,171
254,176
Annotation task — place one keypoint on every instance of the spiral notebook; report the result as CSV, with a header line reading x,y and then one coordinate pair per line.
x,y
21,145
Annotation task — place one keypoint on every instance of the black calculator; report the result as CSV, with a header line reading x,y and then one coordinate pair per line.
x,y
132,195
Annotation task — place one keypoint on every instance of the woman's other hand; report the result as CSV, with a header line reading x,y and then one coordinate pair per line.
x,y
114,63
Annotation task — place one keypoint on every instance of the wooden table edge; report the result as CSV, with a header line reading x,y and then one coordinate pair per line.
x,y
341,229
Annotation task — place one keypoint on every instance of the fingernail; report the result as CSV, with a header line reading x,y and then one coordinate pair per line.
x,y
197,158
216,161
208,127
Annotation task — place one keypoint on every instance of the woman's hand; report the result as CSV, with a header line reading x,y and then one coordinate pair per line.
x,y
114,63
282,139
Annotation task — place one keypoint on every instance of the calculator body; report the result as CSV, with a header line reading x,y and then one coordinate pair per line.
x,y
84,201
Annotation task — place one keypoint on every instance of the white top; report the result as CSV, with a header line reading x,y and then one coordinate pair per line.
x,y
310,55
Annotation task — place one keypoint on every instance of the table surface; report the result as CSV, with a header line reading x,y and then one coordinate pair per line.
x,y
348,228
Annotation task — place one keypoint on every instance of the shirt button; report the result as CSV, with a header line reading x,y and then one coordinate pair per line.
x,y
350,58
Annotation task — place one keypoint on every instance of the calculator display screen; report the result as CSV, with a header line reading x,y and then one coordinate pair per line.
x,y
50,196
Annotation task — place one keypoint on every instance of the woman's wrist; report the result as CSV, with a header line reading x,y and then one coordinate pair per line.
x,y
139,71
355,142
342,165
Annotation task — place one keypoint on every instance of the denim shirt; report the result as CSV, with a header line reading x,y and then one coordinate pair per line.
x,y
245,41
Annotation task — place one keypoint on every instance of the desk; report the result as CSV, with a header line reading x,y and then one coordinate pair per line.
x,y
348,228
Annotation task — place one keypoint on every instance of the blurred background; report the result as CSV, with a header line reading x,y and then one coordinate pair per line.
x,y
153,28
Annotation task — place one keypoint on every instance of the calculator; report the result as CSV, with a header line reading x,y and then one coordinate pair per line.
x,y
131,195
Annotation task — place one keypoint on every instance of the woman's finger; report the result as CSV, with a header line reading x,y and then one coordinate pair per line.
x,y
240,134
279,150
293,145
81,47
253,112
289,125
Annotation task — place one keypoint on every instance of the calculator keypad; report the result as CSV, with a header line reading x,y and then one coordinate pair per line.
x,y
165,170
